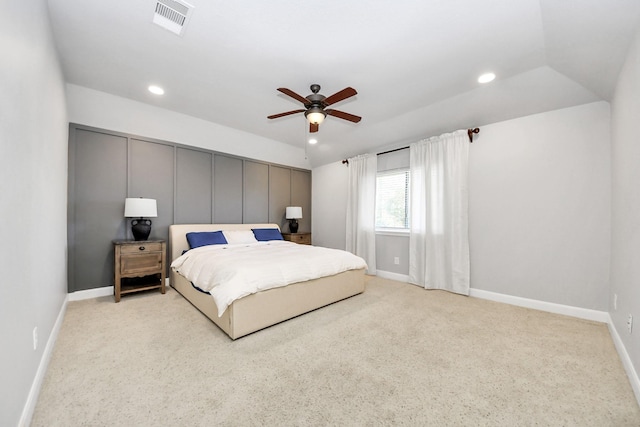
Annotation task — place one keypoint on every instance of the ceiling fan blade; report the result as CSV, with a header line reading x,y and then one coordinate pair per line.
x,y
343,115
339,96
294,95
313,127
275,116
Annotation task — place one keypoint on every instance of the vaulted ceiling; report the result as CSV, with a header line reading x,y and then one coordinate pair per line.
x,y
414,63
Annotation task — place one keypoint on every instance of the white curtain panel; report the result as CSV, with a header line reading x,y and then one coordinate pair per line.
x,y
438,238
361,213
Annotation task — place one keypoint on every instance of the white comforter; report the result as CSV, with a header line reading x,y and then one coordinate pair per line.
x,y
230,272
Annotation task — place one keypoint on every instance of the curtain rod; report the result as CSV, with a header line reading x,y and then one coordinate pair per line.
x,y
470,132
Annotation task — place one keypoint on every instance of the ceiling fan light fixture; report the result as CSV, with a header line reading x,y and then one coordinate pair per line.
x,y
315,115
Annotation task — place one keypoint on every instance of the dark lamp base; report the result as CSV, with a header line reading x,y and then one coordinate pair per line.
x,y
293,225
141,228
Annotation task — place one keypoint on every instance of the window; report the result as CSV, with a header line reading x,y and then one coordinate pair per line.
x,y
392,200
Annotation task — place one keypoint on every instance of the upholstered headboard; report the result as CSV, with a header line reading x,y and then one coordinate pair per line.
x,y
178,232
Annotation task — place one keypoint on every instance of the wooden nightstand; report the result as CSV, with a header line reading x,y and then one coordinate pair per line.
x,y
300,238
144,260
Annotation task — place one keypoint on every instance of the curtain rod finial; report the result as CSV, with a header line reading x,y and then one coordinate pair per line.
x,y
345,161
470,132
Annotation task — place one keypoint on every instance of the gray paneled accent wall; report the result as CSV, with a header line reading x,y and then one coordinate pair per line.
x,y
194,194
151,175
191,185
256,192
279,179
96,204
227,189
300,181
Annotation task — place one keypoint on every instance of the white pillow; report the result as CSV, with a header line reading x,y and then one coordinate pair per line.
x,y
235,237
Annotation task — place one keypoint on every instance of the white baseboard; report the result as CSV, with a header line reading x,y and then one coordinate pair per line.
x,y
97,292
91,293
625,358
32,398
567,310
581,313
393,276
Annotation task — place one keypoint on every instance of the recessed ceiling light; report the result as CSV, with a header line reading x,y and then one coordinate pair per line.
x,y
313,141
156,90
486,78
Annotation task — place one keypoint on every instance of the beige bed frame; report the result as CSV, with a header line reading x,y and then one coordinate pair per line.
x,y
266,308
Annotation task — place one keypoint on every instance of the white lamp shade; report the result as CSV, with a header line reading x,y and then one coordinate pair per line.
x,y
140,208
294,212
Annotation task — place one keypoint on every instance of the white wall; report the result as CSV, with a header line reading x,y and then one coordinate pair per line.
x,y
33,206
539,207
102,110
625,247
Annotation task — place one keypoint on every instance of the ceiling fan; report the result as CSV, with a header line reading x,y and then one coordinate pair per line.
x,y
315,106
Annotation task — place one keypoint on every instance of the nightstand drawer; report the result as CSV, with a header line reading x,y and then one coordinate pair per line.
x,y
144,263
299,238
141,248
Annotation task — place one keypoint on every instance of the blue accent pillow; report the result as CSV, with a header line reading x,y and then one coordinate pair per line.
x,y
205,238
266,234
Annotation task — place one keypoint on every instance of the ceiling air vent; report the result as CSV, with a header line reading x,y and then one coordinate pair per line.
x,y
172,15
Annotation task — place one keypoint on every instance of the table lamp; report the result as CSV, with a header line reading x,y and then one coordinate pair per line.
x,y
294,213
140,209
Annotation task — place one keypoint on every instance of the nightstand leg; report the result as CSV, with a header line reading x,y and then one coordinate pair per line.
x,y
162,273
116,288
117,279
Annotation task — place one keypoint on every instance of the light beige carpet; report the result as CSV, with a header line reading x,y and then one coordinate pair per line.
x,y
395,355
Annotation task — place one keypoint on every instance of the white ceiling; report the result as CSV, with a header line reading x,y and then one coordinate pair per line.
x,y
414,63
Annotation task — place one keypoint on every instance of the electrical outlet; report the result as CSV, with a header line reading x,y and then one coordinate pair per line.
x,y
630,323
396,260
35,338
615,301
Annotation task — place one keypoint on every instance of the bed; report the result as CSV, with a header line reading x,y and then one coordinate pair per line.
x,y
267,307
